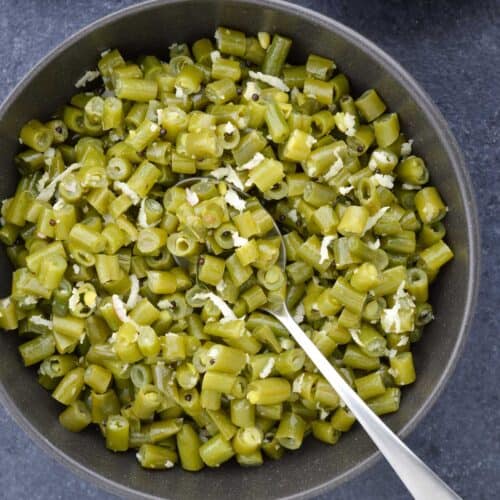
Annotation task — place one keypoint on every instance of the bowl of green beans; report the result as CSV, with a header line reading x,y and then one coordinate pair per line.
x,y
157,380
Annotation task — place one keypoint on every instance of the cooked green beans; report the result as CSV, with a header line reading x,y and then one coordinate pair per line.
x,y
182,365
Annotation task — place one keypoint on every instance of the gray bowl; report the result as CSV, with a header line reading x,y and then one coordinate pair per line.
x,y
150,28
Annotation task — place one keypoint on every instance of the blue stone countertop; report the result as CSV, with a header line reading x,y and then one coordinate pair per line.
x,y
452,47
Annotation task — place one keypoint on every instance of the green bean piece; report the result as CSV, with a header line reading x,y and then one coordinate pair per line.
x,y
29,161
417,284
435,256
268,391
216,451
298,146
294,76
160,430
97,378
388,402
75,416
151,456
320,90
140,375
230,41
254,52
322,123
226,68
110,61
174,347
136,89
225,359
355,358
211,270
135,116
59,131
391,280
412,170
290,433
272,448
188,447
247,440
37,136
353,221
37,350
320,67
251,143
126,344
210,399
222,423
423,314
97,330
148,342
325,432
221,91
93,111
402,368
361,140
187,376
103,405
188,80
161,282
370,105
219,381
365,277
342,419
147,401
112,113
305,385
117,433
150,241
341,87
431,233
386,129
182,244
86,238
346,295
370,385
276,122
201,50
108,268
276,55
51,274
289,362
254,297
74,119
252,459
403,243
242,413
8,315
69,388
325,395
430,206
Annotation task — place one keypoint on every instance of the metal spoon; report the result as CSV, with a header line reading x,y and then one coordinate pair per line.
x,y
419,479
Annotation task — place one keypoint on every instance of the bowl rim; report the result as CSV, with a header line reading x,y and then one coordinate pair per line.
x,y
466,193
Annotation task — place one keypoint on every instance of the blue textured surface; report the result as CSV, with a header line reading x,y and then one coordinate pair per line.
x,y
453,49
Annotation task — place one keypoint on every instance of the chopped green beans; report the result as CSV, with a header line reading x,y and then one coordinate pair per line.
x,y
182,364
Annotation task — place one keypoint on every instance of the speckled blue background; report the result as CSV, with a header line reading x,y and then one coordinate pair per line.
x,y
453,49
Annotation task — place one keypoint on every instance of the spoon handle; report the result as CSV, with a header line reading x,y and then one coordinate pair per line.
x,y
420,481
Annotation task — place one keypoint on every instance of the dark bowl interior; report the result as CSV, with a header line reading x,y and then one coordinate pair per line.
x,y
151,28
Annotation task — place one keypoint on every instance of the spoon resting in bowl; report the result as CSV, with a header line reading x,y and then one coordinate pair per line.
x,y
419,479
